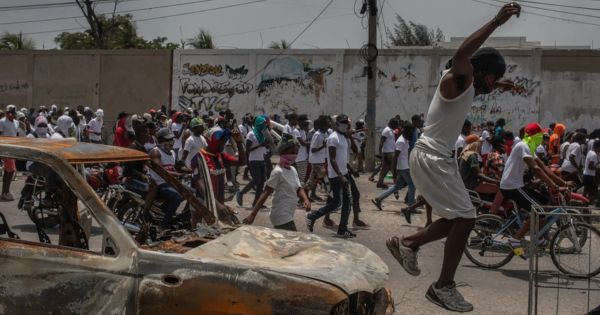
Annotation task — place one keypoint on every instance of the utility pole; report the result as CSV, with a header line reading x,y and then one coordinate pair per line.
x,y
370,117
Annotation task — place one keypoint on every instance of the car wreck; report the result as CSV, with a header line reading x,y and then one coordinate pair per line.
x,y
217,267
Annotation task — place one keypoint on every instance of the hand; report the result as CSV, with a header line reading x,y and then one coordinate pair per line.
x,y
506,12
344,180
249,219
306,205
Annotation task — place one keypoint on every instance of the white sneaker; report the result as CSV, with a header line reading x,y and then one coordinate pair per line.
x,y
7,197
449,298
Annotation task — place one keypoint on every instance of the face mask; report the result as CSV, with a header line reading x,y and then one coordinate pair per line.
x,y
343,128
41,131
286,160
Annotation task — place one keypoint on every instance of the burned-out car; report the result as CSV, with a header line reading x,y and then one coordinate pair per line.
x,y
237,270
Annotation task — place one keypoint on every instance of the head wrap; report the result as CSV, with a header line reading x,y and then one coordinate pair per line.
x,y
533,136
64,123
260,123
40,120
470,149
216,135
197,121
560,129
471,138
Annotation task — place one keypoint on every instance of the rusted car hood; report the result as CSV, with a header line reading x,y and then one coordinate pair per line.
x,y
348,265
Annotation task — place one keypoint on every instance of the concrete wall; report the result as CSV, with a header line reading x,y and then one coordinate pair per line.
x,y
124,80
559,85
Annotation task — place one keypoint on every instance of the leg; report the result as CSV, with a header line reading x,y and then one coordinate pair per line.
x,y
397,186
356,203
260,182
343,227
453,249
410,194
494,209
167,192
254,167
437,230
332,203
385,168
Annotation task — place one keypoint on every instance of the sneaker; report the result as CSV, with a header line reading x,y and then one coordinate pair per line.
x,y
310,224
377,204
404,255
7,196
449,298
346,234
359,224
239,198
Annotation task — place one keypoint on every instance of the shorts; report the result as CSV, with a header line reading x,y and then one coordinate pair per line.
x,y
290,226
524,197
438,180
9,165
589,184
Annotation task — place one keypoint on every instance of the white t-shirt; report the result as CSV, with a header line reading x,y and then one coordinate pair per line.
x,y
514,169
340,143
564,145
193,145
285,184
359,139
390,140
287,129
403,146
244,130
461,142
592,157
486,146
302,151
540,150
316,142
57,135
574,149
9,128
95,126
257,154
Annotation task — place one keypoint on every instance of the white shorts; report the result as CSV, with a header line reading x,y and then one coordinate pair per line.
x,y
438,180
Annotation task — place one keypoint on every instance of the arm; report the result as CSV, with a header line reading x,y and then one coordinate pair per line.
x,y
259,203
539,171
483,177
395,162
334,165
551,174
304,198
381,141
461,73
574,162
242,156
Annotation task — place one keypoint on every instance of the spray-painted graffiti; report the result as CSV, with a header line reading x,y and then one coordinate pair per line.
x,y
206,87
289,72
13,86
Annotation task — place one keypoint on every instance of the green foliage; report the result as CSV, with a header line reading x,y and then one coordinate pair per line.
x,y
202,40
413,34
119,32
283,44
16,41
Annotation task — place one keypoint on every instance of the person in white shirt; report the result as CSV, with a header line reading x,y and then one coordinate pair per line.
x,y
9,126
590,186
387,146
433,168
461,141
317,156
65,128
94,127
402,173
360,136
245,127
338,145
285,185
194,143
292,123
304,145
256,146
512,183
573,164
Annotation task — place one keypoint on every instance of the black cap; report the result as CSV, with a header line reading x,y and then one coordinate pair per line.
x,y
489,60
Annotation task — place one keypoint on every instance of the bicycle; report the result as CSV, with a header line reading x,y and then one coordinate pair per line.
x,y
488,244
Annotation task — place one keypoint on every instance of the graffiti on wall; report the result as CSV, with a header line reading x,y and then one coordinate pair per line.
x,y
207,87
517,106
13,86
288,76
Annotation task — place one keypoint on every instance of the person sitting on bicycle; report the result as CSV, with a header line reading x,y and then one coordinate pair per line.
x,y
512,184
164,156
135,172
469,166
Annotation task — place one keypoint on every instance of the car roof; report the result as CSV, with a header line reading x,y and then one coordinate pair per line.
x,y
75,152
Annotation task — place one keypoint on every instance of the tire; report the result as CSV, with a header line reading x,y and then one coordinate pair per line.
x,y
45,219
485,250
128,212
588,258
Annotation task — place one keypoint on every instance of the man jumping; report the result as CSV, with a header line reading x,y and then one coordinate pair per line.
x,y
433,166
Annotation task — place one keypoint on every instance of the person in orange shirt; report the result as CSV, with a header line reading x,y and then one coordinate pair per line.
x,y
554,143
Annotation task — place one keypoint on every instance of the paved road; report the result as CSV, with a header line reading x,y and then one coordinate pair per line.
x,y
503,291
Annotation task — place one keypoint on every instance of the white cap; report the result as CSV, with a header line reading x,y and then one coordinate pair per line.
x,y
64,123
11,108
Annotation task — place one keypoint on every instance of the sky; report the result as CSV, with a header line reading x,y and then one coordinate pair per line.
x,y
256,25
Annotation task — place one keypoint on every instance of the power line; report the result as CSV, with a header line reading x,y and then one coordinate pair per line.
x,y
552,10
51,5
560,5
117,12
154,18
544,15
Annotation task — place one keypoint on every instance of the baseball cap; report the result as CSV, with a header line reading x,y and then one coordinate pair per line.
x,y
165,133
197,121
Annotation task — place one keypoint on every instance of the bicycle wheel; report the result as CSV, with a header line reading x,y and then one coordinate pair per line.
x,y
575,250
486,246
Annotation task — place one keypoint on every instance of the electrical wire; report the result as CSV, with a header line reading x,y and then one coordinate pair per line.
x,y
543,15
154,18
52,5
559,5
552,10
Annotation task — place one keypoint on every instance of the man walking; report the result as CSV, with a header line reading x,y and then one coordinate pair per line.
x,y
387,145
434,169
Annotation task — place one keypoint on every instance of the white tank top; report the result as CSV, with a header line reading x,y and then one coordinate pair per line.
x,y
167,161
445,119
